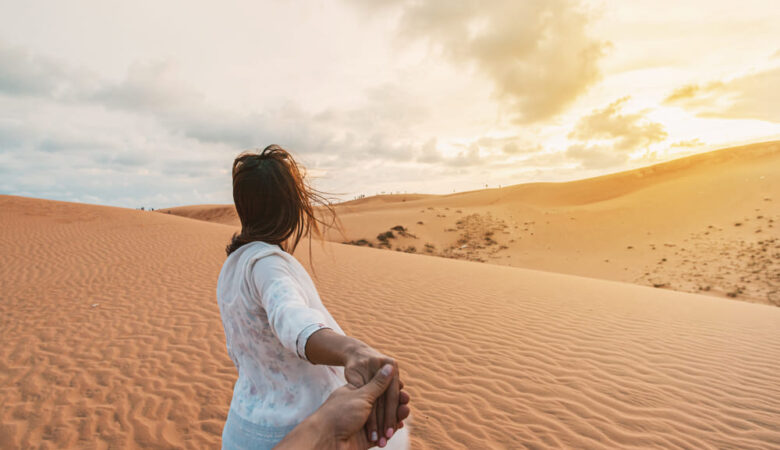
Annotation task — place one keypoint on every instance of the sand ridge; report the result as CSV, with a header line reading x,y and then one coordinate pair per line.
x,y
224,214
112,338
706,223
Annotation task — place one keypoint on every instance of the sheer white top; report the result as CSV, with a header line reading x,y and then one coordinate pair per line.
x,y
270,307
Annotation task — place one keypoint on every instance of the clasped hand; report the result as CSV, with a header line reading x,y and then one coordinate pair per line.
x,y
386,415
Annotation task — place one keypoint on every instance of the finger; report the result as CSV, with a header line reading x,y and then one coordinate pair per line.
x,y
400,384
371,426
379,384
403,413
403,398
374,389
355,378
380,417
391,407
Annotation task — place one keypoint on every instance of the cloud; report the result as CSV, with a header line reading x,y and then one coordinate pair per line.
x,y
616,134
752,96
511,145
12,135
148,127
153,90
595,156
377,129
23,73
627,131
147,87
482,152
538,54
690,143
470,157
428,152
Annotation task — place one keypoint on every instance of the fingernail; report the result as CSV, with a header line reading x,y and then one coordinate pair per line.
x,y
382,442
374,436
389,433
386,369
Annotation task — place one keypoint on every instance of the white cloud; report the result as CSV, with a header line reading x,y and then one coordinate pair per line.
x,y
606,136
539,55
752,96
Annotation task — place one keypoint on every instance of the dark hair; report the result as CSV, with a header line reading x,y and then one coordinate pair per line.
x,y
274,201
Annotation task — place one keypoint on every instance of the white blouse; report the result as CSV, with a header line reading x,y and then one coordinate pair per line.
x,y
269,307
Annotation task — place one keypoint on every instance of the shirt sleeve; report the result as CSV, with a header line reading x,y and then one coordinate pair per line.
x,y
290,317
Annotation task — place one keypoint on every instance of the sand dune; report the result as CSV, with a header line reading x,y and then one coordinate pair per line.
x,y
112,338
705,224
224,214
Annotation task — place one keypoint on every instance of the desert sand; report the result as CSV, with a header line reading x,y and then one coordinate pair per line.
x,y
707,224
111,335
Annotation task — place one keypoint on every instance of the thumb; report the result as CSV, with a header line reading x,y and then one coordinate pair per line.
x,y
378,385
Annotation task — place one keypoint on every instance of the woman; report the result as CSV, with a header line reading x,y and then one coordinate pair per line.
x,y
284,343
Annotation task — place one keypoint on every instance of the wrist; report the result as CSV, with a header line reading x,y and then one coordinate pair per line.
x,y
353,349
321,430
314,432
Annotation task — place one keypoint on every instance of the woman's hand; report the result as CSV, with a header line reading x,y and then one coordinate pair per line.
x,y
360,366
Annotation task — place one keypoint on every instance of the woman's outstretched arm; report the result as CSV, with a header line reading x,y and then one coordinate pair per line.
x,y
302,330
361,363
329,348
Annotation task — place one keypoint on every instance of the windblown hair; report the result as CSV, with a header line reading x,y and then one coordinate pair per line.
x,y
275,202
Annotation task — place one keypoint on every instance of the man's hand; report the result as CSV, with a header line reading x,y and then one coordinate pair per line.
x,y
360,367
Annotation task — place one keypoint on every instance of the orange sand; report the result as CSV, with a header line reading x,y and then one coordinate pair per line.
x,y
112,338
707,223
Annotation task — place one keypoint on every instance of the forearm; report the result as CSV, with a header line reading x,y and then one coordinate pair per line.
x,y
312,433
330,348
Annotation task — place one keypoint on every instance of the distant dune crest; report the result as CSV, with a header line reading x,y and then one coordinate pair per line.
x,y
706,223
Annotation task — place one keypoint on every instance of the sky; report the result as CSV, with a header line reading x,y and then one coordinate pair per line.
x,y
147,103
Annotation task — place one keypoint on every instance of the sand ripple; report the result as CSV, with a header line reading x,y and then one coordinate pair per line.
x,y
495,357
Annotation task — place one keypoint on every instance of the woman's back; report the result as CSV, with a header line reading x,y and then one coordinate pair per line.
x,y
281,338
258,290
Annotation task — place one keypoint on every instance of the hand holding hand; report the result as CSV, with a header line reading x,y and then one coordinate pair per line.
x,y
361,366
347,409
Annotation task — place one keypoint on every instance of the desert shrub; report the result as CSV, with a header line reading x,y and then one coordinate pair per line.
x,y
383,237
360,242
